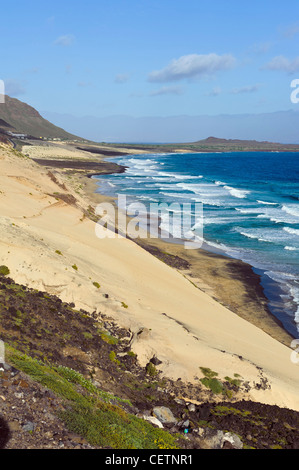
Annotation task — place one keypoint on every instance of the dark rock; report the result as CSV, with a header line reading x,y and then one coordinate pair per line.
x,y
4,433
154,360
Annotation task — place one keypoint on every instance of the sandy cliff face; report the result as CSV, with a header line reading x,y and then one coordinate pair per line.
x,y
50,245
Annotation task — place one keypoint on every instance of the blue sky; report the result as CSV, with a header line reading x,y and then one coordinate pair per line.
x,y
151,57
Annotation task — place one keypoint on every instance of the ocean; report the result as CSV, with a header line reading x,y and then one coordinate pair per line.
x,y
250,206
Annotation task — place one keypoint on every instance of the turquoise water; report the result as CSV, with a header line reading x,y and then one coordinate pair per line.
x,y
250,210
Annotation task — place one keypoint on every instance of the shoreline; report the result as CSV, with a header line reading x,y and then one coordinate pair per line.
x,y
187,322
244,275
246,297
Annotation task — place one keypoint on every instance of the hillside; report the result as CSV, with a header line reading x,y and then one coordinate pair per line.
x,y
80,372
74,374
19,117
215,144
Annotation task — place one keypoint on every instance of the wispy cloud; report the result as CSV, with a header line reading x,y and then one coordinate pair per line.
x,y
192,66
121,78
261,48
283,64
291,31
215,92
65,41
246,89
167,90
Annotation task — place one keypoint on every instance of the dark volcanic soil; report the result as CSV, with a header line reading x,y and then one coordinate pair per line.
x,y
44,327
96,167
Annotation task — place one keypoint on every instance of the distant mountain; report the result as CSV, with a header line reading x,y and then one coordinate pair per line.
x,y
280,126
214,143
20,118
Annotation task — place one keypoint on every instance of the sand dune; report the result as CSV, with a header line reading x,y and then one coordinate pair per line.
x,y
43,240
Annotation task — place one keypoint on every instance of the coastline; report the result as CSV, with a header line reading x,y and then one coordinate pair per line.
x,y
49,243
230,281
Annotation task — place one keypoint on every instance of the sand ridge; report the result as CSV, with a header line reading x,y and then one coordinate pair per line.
x,y
48,244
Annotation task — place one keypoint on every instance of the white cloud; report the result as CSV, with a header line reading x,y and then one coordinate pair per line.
x,y
167,90
65,41
192,66
283,64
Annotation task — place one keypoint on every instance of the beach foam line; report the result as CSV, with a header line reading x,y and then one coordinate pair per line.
x,y
179,177
292,210
238,193
255,237
268,203
292,231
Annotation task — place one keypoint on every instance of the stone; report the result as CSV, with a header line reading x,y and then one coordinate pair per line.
x,y
154,360
211,439
153,420
179,401
233,439
29,426
164,414
191,407
200,431
216,439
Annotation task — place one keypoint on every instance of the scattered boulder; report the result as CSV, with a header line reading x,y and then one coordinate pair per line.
x,y
211,439
191,407
153,420
216,439
232,439
164,414
154,360
29,426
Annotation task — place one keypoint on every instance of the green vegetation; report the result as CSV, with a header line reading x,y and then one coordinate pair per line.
x,y
235,381
218,387
151,369
96,284
213,384
107,337
87,335
221,410
58,252
208,373
131,354
113,358
92,413
75,267
4,270
124,305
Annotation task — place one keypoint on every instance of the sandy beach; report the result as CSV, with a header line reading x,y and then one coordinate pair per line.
x,y
219,320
